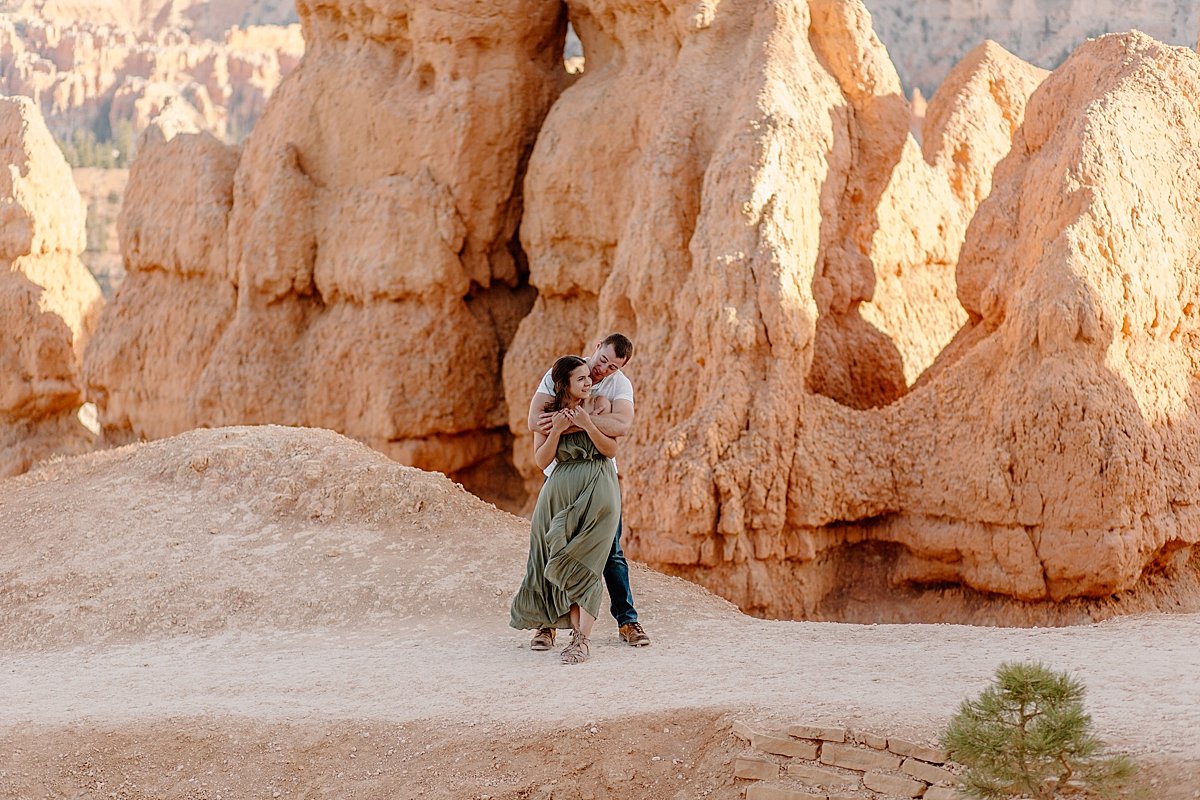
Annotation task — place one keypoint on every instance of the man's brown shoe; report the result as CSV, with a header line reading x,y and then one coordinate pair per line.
x,y
633,635
543,639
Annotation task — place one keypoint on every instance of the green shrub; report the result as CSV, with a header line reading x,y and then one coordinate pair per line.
x,y
1028,736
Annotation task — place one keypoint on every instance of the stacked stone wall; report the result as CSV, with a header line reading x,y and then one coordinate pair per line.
x,y
814,761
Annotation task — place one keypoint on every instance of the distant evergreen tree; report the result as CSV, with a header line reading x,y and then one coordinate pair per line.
x,y
124,142
85,148
1028,736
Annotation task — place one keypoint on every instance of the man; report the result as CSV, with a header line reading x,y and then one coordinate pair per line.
x,y
605,364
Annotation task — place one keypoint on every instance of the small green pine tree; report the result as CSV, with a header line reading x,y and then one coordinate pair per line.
x,y
1028,736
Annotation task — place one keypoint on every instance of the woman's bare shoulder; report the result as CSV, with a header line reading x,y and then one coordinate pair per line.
x,y
600,405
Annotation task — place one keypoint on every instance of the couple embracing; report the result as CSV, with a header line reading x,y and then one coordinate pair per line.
x,y
580,411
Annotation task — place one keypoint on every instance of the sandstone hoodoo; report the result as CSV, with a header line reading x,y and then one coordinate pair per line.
x,y
353,267
782,456
48,301
179,494
151,348
914,234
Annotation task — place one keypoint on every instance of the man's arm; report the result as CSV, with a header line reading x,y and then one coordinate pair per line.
x,y
618,422
605,444
536,406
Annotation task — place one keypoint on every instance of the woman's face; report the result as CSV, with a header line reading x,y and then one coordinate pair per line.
x,y
580,385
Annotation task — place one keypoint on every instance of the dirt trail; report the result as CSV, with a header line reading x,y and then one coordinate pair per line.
x,y
242,608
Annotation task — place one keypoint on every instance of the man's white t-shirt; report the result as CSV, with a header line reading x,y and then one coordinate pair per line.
x,y
615,387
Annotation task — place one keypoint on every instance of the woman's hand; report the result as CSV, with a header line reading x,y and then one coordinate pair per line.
x,y
562,420
605,444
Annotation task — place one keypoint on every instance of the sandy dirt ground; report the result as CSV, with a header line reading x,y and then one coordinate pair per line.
x,y
270,612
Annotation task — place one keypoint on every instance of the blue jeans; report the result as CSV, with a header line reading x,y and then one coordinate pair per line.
x,y
616,578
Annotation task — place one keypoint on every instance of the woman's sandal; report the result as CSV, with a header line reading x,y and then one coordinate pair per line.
x,y
578,650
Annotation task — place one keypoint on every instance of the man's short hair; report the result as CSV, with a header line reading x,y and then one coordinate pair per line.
x,y
622,347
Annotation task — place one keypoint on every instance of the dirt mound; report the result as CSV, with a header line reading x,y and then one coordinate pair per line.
x,y
246,529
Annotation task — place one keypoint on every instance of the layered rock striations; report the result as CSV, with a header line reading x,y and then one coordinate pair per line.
x,y
783,261
86,75
358,271
48,301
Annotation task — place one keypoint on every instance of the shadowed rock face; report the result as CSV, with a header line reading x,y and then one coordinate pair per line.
x,y
782,254
177,299
355,270
48,301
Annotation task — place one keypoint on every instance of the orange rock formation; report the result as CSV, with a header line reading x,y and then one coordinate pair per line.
x,y
48,301
767,192
360,277
864,363
176,299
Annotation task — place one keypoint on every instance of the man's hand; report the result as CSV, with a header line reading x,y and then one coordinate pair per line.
x,y
538,419
546,421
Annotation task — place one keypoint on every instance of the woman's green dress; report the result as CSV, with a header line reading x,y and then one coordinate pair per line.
x,y
574,526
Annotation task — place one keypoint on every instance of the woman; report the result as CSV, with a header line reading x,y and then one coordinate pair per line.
x,y
575,520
